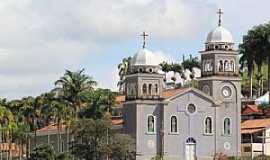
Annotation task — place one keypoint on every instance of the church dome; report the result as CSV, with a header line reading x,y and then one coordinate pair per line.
x,y
219,35
144,57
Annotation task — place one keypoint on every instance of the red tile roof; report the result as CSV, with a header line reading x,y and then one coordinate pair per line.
x,y
249,131
251,109
117,121
172,92
51,128
255,123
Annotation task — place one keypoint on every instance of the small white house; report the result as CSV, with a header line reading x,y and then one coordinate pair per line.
x,y
255,137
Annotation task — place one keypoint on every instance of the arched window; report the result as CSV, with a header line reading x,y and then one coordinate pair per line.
x,y
150,89
232,65
226,65
220,66
227,126
150,124
173,124
156,88
208,125
144,89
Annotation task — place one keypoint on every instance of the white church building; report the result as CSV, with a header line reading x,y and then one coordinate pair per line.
x,y
186,123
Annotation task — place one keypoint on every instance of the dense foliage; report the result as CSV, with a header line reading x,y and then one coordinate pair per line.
x,y
262,157
94,140
42,152
255,52
46,152
73,98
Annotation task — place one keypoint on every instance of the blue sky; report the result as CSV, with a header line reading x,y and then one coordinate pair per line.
x,y
40,39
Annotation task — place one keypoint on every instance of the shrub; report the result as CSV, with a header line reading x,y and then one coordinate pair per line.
x,y
158,157
262,157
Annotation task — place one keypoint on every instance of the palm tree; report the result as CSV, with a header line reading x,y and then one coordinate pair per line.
x,y
62,112
176,68
31,111
190,64
247,60
267,50
123,69
8,125
253,50
165,67
73,86
21,136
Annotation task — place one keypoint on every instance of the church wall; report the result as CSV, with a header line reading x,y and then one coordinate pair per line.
x,y
189,125
231,108
148,144
129,116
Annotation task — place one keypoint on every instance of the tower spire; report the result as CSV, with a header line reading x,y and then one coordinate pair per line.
x,y
144,35
219,16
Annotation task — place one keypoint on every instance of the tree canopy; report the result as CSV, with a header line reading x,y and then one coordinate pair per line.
x,y
255,51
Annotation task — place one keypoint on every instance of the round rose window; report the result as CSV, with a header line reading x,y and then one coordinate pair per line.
x,y
191,108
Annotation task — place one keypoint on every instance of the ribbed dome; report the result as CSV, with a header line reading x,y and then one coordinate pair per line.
x,y
219,34
144,57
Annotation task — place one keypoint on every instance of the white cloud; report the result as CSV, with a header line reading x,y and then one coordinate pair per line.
x,y
162,18
40,39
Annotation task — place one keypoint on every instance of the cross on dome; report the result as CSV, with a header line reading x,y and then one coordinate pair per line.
x,y
144,35
219,16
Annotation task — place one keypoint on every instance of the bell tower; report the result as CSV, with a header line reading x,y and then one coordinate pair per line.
x,y
220,79
143,80
219,59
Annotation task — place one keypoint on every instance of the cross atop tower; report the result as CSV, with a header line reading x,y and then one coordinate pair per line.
x,y
144,35
219,16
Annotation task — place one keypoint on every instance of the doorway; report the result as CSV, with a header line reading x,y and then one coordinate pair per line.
x,y
190,149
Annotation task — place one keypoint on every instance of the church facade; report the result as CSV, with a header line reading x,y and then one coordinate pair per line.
x,y
186,123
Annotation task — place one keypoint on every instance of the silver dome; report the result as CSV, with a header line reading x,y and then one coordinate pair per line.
x,y
219,35
144,57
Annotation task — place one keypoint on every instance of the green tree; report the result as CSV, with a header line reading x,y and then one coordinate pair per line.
x,y
90,139
8,127
21,136
256,46
165,67
176,68
190,64
31,113
123,69
122,147
63,156
247,61
61,112
99,102
94,140
42,152
73,86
